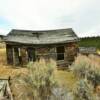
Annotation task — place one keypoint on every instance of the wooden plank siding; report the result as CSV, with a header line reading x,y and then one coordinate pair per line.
x,y
21,55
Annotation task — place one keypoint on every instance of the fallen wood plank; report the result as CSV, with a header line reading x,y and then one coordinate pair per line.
x,y
9,91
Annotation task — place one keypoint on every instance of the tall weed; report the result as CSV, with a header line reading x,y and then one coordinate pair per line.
x,y
87,67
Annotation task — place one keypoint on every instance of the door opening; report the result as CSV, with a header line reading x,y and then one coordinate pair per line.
x,y
60,52
31,54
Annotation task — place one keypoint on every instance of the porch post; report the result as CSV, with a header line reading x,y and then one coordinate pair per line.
x,y
13,56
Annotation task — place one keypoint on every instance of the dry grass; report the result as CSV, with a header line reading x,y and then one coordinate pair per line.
x,y
7,70
83,64
65,78
2,45
94,59
2,57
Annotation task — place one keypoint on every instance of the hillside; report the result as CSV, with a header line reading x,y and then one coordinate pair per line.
x,y
90,42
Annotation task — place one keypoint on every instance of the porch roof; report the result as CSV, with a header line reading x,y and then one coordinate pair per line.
x,y
41,37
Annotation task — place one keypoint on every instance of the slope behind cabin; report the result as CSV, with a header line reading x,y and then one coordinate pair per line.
x,y
23,46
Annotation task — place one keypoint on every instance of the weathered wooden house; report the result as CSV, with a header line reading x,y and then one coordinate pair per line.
x,y
23,46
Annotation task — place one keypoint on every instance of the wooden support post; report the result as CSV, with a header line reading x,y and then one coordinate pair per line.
x,y
13,57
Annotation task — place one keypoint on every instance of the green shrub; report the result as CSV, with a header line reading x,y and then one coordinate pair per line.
x,y
41,78
61,93
83,91
81,66
87,67
38,83
94,74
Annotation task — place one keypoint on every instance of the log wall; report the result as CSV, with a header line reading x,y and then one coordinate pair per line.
x,y
31,53
46,53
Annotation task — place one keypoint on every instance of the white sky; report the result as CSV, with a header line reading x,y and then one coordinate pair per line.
x,y
81,15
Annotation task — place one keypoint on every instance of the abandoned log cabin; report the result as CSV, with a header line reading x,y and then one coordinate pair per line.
x,y
23,46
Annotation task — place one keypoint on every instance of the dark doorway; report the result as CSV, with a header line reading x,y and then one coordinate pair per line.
x,y
60,52
16,56
31,54
9,51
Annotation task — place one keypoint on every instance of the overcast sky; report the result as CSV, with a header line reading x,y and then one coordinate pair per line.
x,y
81,15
